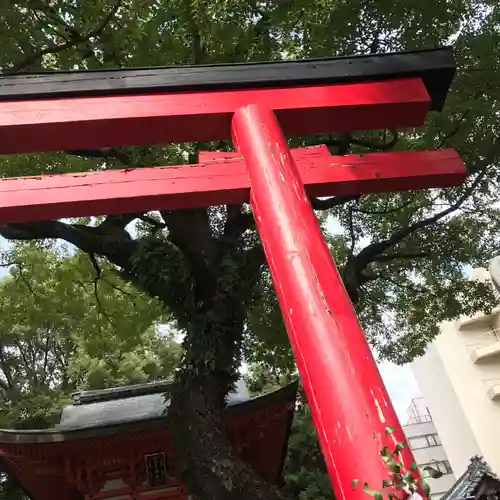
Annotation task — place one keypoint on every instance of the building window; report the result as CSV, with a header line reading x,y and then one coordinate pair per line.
x,y
425,441
440,465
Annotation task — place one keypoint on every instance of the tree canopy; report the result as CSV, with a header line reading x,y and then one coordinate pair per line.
x,y
404,257
66,326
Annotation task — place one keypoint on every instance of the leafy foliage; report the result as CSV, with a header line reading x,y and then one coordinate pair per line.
x,y
404,257
62,330
402,480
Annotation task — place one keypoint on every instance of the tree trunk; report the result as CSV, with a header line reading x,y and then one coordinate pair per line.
x,y
203,455
210,304
207,285
206,463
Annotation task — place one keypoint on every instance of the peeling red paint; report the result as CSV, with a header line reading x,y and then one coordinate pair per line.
x,y
108,121
215,182
341,379
337,369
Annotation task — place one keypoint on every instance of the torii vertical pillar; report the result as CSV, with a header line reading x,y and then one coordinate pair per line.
x,y
52,112
349,403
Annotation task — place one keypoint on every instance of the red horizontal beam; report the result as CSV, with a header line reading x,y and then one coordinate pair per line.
x,y
94,122
218,182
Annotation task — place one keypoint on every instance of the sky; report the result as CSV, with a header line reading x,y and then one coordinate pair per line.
x,y
401,386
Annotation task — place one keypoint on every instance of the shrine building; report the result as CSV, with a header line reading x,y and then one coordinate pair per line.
x,y
114,444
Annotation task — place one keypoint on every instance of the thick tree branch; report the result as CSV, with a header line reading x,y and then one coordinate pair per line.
x,y
237,222
372,251
379,146
343,145
396,256
335,201
375,249
356,265
116,248
352,233
103,153
116,224
189,230
156,224
73,40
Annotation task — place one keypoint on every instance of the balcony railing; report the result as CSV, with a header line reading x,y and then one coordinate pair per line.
x,y
486,346
421,419
486,352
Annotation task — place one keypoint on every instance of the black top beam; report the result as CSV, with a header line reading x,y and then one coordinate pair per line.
x,y
436,67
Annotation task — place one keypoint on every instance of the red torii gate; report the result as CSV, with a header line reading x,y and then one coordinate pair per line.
x,y
256,104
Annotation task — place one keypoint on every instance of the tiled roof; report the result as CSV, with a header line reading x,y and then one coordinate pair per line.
x,y
467,483
125,404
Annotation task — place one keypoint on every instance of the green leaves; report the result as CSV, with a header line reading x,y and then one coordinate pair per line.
x,y
425,488
399,446
402,481
373,493
434,473
418,282
62,329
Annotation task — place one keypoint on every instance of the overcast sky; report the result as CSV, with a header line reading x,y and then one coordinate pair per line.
x,y
401,385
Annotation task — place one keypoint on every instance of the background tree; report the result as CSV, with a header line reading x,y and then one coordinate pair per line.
x,y
64,327
67,326
403,257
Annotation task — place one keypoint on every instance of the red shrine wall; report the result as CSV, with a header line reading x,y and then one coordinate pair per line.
x,y
138,463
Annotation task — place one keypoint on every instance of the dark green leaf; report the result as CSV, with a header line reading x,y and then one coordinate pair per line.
x,y
425,488
400,446
434,473
370,492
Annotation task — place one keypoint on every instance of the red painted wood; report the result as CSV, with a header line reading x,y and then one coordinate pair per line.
x,y
216,183
327,175
348,400
298,154
256,435
92,122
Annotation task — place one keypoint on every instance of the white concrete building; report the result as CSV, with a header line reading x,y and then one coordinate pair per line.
x,y
459,377
427,448
418,411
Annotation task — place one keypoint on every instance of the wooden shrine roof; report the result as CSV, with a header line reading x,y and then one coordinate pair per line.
x,y
477,480
130,408
99,452
436,67
125,404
